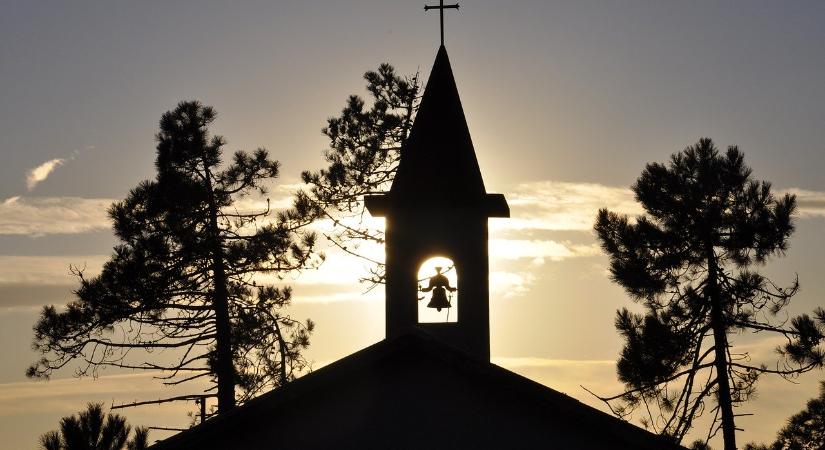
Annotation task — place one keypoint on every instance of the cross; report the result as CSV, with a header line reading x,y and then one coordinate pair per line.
x,y
441,7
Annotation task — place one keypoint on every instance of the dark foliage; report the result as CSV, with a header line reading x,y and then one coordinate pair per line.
x,y
180,288
364,149
690,261
92,430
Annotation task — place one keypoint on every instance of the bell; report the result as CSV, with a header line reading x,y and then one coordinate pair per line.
x,y
439,299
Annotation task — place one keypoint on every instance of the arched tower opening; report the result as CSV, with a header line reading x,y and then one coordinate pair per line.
x,y
438,291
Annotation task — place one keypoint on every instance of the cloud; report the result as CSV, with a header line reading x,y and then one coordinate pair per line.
x,y
46,270
810,203
570,206
538,250
38,216
41,172
567,375
31,408
503,284
530,361
338,269
506,284
29,282
340,295
37,391
563,206
28,298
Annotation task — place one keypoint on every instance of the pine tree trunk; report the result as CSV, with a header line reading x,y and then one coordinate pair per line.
x,y
283,347
224,370
720,343
223,346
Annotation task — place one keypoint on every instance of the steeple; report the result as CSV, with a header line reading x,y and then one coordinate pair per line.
x,y
438,157
437,206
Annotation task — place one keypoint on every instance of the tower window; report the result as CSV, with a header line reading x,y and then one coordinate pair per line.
x,y
437,291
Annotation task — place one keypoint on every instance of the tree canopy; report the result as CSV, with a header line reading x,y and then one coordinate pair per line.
x,y
691,261
92,430
365,143
183,292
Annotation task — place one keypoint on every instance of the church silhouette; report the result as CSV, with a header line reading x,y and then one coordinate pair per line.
x,y
427,385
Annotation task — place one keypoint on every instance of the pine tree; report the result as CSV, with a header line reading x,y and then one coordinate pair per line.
x,y
364,150
92,430
183,278
691,261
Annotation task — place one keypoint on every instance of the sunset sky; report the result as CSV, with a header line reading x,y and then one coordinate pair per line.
x,y
566,103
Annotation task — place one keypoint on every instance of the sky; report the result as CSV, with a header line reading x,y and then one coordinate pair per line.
x,y
566,102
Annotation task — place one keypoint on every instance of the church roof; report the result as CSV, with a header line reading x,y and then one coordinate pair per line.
x,y
414,391
438,158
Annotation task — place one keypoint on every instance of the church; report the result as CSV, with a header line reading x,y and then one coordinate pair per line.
x,y
428,384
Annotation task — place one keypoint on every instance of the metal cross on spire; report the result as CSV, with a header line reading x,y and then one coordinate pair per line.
x,y
441,7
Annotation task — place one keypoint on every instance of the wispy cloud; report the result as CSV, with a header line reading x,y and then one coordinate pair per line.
x,y
46,270
373,295
503,284
29,298
563,206
810,203
40,173
537,206
571,206
29,282
338,269
567,375
38,216
34,407
35,391
507,284
539,250
532,361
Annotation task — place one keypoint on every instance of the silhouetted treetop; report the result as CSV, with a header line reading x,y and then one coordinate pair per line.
x,y
365,142
186,275
691,260
92,430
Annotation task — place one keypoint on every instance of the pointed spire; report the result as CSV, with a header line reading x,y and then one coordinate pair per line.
x,y
438,161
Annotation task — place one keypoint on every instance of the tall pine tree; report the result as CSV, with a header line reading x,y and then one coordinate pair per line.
x,y
182,281
691,261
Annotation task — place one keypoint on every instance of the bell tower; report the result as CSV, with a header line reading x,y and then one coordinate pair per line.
x,y
438,206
